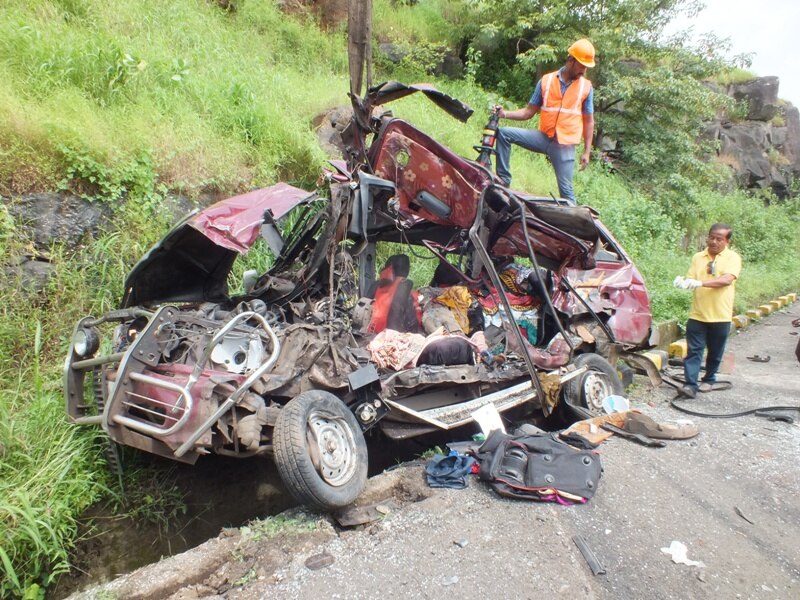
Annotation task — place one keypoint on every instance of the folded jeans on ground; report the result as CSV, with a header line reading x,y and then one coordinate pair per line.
x,y
449,471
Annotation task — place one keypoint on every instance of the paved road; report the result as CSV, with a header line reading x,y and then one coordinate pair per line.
x,y
689,492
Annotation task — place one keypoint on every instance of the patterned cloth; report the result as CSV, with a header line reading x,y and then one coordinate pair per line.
x,y
458,300
397,351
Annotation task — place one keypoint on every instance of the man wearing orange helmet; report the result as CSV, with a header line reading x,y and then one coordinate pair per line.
x,y
565,100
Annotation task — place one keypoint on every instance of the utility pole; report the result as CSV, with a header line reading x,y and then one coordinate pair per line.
x,y
359,43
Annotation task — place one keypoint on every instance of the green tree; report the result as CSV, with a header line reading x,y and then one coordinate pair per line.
x,y
650,95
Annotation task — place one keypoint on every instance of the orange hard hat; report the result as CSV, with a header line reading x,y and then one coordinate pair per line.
x,y
583,52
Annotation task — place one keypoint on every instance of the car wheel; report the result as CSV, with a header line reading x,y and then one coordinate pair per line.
x,y
320,450
598,382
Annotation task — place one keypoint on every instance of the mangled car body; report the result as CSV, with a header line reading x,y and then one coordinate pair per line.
x,y
309,357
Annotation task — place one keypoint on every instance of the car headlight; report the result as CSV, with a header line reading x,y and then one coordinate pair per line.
x,y
85,342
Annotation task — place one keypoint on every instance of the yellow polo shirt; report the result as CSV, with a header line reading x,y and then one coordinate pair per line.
x,y
714,305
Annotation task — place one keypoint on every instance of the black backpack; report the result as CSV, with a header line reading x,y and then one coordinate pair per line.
x,y
538,467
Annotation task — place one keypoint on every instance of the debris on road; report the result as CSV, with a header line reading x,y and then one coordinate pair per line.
x,y
539,467
591,558
739,512
319,561
759,358
677,550
361,515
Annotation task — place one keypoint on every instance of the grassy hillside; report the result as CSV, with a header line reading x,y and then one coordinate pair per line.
x,y
126,101
181,93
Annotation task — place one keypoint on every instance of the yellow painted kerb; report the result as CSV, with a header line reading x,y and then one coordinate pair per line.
x,y
678,349
741,321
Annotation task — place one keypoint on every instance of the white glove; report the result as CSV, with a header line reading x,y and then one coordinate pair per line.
x,y
686,283
690,284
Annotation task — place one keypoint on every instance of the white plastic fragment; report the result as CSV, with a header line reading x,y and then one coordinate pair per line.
x,y
677,550
614,403
488,419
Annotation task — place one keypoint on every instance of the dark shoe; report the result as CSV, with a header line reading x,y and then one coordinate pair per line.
x,y
687,391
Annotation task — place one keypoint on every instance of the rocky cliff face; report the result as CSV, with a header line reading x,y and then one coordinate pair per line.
x,y
763,149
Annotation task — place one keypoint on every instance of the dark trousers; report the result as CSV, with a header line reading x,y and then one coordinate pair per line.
x,y
700,335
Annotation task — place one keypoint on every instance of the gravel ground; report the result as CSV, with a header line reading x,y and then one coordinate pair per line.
x,y
731,495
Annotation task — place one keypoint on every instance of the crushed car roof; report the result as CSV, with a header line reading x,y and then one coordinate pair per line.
x,y
193,260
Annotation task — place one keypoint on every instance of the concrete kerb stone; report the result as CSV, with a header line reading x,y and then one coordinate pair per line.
x,y
741,321
678,349
664,333
766,309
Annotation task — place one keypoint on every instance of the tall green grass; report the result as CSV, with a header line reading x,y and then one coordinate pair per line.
x,y
50,474
211,99
431,21
51,471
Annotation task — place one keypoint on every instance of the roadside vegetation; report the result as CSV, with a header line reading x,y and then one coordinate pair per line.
x,y
127,102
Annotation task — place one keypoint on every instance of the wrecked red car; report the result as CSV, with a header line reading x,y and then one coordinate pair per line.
x,y
529,301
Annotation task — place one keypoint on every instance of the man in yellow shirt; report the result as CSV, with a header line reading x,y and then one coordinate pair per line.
x,y
712,277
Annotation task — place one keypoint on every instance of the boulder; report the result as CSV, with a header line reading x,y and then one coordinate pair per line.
x,y
452,66
791,148
778,183
31,274
711,131
777,136
58,217
606,143
329,126
394,52
761,95
743,146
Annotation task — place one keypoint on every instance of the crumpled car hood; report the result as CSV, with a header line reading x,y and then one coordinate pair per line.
x,y
390,91
191,263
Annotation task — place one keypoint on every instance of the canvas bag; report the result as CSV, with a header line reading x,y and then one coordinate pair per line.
x,y
538,467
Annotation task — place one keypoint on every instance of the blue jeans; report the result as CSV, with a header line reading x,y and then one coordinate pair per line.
x,y
561,156
700,335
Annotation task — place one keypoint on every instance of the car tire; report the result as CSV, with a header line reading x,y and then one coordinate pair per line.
x,y
320,451
590,389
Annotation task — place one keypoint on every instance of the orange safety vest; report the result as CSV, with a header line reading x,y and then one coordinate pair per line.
x,y
562,116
